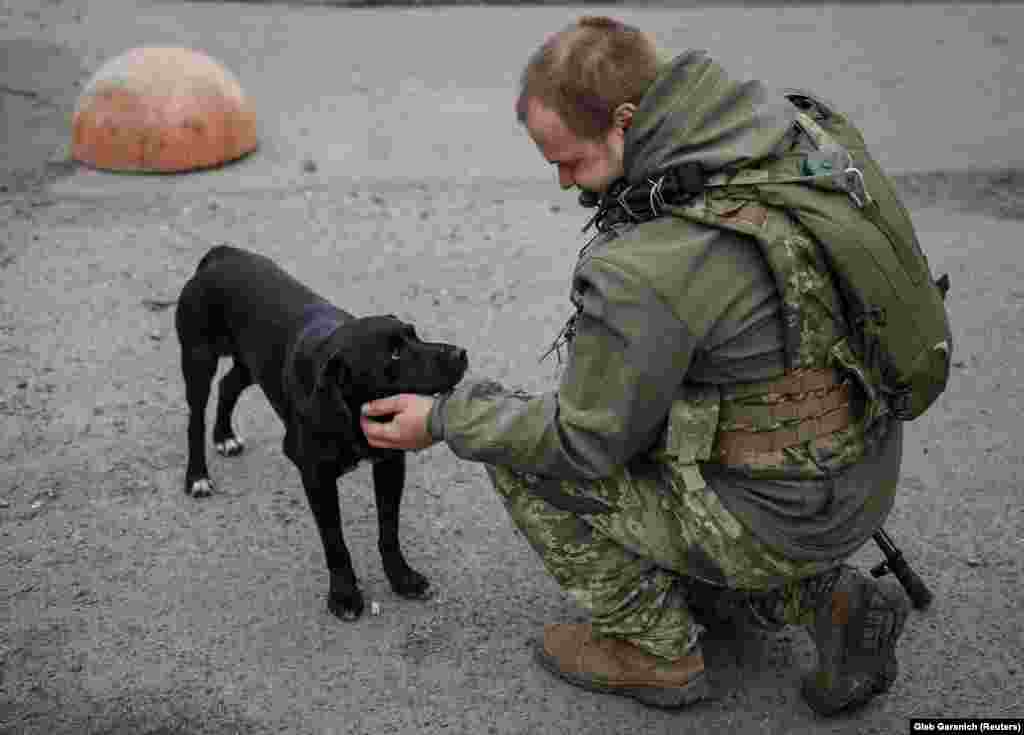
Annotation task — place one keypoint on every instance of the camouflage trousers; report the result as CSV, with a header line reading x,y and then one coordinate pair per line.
x,y
629,548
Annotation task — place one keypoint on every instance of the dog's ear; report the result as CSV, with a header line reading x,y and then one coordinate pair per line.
x,y
332,410
318,393
336,373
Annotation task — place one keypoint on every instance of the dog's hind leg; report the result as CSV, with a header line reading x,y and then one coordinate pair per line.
x,y
198,364
388,483
237,379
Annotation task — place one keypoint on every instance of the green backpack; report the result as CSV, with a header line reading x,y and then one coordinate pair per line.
x,y
901,332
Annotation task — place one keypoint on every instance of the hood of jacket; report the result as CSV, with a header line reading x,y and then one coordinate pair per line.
x,y
693,112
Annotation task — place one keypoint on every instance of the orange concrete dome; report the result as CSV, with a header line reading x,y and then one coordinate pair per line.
x,y
160,109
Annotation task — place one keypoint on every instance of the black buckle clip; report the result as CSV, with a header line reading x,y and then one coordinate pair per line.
x,y
677,185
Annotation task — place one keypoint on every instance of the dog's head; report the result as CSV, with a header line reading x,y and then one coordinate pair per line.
x,y
358,361
382,355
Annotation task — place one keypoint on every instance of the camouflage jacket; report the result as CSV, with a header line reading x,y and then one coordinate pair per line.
x,y
677,320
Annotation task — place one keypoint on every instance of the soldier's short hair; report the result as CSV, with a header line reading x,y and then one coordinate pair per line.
x,y
585,71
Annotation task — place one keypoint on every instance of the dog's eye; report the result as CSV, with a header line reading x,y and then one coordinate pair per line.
x,y
396,354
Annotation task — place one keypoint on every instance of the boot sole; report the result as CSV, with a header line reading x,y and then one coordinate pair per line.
x,y
856,688
656,696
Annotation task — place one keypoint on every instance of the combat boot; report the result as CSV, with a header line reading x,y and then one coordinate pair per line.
x,y
857,622
616,666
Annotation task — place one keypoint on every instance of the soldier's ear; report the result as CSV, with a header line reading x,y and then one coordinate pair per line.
x,y
623,116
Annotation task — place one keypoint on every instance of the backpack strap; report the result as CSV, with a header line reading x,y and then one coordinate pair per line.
x,y
829,167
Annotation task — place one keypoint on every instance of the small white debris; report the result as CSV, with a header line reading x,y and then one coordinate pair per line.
x,y
374,608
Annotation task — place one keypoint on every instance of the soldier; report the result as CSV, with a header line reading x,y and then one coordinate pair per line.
x,y
682,471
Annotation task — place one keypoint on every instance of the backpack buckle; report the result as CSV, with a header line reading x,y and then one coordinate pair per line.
x,y
623,202
657,198
853,182
899,404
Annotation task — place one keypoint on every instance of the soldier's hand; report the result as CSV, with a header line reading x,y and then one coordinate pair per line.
x,y
406,428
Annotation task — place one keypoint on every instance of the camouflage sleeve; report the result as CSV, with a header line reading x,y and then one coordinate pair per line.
x,y
626,362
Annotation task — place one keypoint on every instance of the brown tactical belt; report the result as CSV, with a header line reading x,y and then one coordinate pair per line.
x,y
812,416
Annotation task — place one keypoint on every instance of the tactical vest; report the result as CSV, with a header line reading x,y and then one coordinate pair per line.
x,y
808,424
811,422
820,417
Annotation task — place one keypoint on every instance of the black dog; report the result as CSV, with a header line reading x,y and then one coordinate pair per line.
x,y
316,365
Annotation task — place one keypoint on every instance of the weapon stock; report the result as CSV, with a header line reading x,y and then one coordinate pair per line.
x,y
894,562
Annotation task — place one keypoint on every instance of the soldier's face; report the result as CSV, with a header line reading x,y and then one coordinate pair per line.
x,y
588,164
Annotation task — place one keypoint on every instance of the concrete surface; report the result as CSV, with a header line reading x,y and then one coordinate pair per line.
x,y
130,609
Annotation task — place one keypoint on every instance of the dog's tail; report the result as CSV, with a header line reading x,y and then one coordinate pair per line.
x,y
217,252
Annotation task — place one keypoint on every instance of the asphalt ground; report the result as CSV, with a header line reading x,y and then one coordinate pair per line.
x,y
392,176
425,93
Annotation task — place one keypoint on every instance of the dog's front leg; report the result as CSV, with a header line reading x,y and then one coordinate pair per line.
x,y
388,483
321,484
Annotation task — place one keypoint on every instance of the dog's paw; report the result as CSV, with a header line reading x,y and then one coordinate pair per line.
x,y
230,447
201,487
411,584
344,599
348,606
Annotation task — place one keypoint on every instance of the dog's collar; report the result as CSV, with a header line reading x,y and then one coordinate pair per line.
x,y
313,345
318,321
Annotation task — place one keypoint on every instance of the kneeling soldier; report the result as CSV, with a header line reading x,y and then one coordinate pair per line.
x,y
683,467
